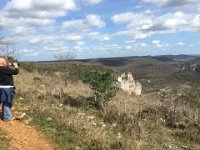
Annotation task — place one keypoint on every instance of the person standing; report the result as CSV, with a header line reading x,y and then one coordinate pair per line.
x,y
7,70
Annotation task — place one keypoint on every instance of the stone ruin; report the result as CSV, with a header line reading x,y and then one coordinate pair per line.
x,y
128,84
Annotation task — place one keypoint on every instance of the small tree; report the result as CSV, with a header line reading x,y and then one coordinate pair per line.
x,y
2,48
7,49
65,56
103,85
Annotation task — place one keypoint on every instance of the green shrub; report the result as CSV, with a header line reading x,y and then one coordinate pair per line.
x,y
100,79
103,85
30,67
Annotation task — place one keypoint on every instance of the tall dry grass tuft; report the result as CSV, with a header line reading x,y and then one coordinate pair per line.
x,y
131,115
148,121
54,84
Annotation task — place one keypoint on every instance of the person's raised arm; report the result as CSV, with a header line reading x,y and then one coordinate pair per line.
x,y
15,64
12,70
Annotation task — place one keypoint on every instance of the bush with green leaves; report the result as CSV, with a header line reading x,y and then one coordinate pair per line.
x,y
101,80
30,67
103,85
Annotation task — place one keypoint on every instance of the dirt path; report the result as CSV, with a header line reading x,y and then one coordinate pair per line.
x,y
24,137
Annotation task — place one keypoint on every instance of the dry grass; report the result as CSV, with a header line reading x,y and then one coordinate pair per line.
x,y
130,113
43,96
148,122
50,84
127,122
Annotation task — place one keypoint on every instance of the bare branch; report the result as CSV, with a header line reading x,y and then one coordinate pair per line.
x,y
7,49
65,56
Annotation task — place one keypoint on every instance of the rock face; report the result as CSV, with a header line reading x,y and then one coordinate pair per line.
x,y
128,84
192,67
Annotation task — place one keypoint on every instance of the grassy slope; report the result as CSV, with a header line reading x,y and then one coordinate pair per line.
x,y
42,97
127,122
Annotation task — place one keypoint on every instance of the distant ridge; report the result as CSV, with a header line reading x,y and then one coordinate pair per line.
x,y
170,57
163,58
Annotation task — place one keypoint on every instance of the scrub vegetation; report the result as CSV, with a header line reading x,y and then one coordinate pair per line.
x,y
78,106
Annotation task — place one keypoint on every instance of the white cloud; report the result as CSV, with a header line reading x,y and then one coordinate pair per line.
x,y
38,8
136,46
158,43
92,2
80,43
34,40
42,39
72,37
93,36
173,2
31,54
50,48
16,5
180,44
84,24
130,41
25,50
142,44
136,34
111,46
74,24
155,42
140,36
142,25
95,20
129,47
123,17
107,48
77,47
22,31
175,22
38,24
135,22
55,48
34,22
34,13
133,19
105,38
10,23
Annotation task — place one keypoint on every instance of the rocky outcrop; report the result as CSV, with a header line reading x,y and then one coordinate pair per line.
x,y
128,84
192,67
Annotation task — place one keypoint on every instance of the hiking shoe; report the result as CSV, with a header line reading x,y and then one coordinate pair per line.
x,y
11,119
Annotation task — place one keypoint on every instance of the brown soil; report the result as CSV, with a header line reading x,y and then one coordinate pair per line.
x,y
24,137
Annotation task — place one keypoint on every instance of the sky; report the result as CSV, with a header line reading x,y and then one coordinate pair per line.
x,y
40,30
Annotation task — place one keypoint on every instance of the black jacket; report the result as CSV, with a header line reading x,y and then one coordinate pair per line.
x,y
6,75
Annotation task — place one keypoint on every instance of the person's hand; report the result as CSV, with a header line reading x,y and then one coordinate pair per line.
x,y
15,64
9,64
